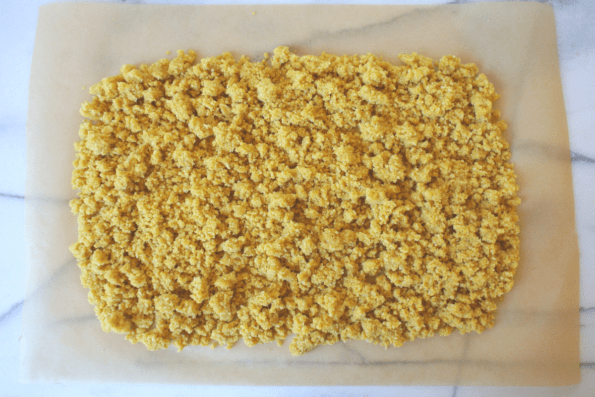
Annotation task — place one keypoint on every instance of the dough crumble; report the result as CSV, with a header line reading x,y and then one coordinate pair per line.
x,y
330,197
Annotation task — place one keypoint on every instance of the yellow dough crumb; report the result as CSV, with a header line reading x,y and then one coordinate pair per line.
x,y
330,197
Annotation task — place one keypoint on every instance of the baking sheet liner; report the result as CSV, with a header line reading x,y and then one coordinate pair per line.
x,y
536,337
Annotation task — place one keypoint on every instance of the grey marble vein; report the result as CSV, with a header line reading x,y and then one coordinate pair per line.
x,y
461,365
541,149
52,200
12,196
360,356
58,272
462,362
14,308
74,320
319,35
579,158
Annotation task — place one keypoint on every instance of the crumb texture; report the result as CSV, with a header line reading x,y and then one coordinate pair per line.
x,y
330,197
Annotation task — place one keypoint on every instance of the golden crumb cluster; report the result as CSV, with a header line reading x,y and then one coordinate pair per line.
x,y
329,197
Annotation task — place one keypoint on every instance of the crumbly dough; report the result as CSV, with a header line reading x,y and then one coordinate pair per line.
x,y
332,197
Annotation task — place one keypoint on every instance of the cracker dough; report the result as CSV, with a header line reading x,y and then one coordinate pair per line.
x,y
333,197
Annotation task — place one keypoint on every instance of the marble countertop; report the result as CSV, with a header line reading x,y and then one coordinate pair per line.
x,y
17,32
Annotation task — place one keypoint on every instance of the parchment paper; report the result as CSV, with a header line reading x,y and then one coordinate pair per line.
x,y
536,337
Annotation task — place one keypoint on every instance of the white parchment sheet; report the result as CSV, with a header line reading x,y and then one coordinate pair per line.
x,y
536,337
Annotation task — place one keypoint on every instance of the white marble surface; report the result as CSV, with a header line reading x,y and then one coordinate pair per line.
x,y
576,40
